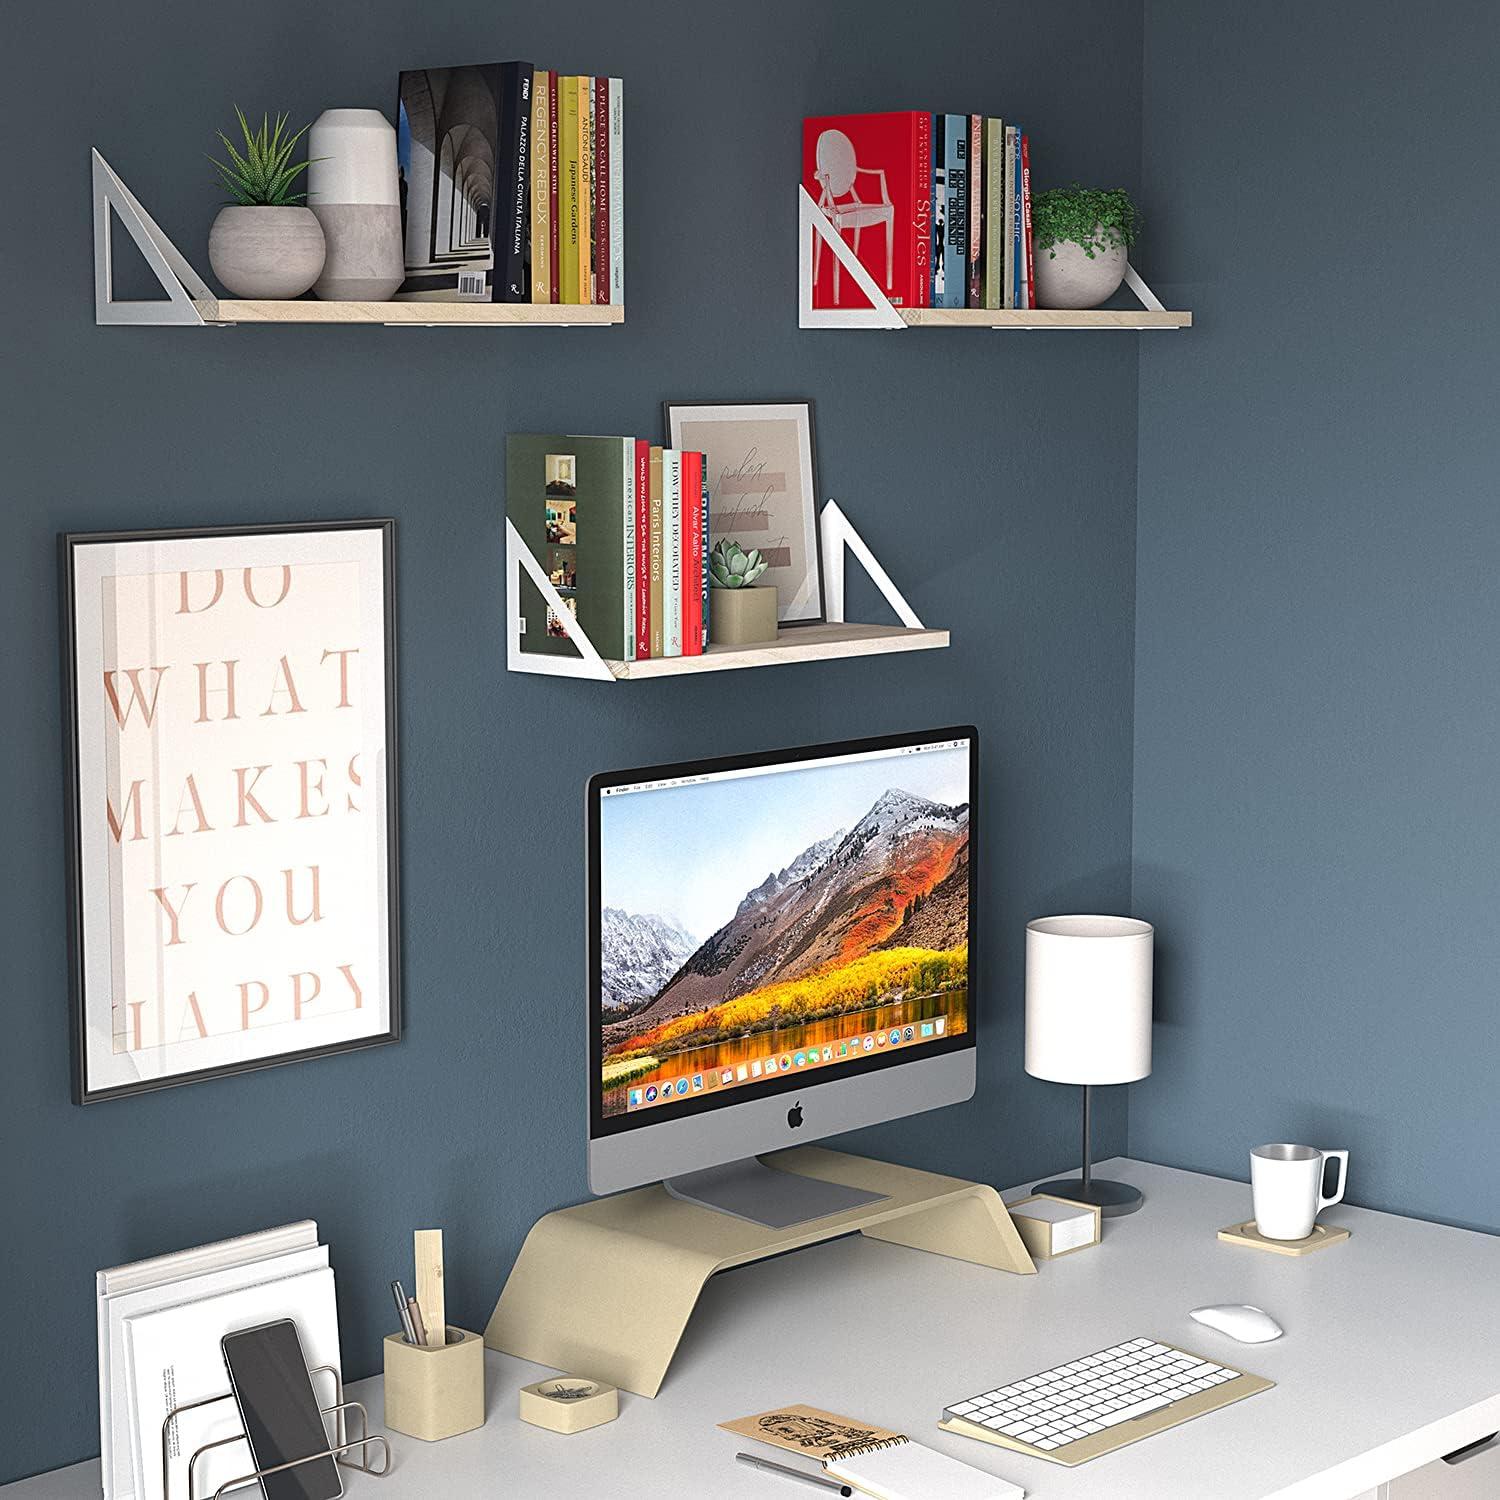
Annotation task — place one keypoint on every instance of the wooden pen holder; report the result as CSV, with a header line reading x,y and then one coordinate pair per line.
x,y
433,1393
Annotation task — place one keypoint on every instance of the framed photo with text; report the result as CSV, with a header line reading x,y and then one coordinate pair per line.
x,y
231,723
762,490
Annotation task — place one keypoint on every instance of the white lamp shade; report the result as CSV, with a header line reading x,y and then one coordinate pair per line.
x,y
1088,999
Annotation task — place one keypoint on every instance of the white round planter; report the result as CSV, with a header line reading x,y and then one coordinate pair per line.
x,y
1066,277
354,189
274,253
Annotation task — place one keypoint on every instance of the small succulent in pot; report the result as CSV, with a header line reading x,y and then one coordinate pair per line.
x,y
1080,237
731,567
266,243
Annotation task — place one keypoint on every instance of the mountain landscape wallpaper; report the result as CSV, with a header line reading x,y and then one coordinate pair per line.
x,y
717,959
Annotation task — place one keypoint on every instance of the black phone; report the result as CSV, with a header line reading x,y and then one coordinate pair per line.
x,y
279,1408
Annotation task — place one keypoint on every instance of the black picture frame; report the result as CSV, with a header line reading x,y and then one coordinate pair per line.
x,y
69,544
668,407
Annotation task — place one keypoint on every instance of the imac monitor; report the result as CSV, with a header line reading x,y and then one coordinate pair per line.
x,y
779,950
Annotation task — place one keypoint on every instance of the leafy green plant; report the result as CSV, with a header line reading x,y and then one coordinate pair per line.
x,y
1095,219
731,567
263,173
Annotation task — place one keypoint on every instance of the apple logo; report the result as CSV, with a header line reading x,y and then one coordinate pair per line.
x,y
794,1117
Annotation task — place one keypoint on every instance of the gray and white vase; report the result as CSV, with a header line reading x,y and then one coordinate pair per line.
x,y
258,251
353,188
1066,277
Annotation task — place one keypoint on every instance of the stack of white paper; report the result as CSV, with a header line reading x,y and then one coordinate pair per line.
x,y
160,1322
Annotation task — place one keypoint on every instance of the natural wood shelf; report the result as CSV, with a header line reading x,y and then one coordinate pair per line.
x,y
799,643
409,314
1041,317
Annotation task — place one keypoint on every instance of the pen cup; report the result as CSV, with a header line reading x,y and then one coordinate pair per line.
x,y
435,1393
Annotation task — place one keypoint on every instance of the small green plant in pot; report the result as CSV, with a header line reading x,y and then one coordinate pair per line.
x,y
741,612
1081,238
266,242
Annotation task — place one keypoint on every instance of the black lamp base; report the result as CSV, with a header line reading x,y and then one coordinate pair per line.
x,y
1111,1198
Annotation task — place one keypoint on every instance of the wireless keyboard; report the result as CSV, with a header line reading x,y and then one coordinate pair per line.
x,y
1092,1406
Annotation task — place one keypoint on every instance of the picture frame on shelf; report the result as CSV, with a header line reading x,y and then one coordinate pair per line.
x,y
761,461
230,706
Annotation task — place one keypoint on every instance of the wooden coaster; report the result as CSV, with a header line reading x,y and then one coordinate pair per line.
x,y
1322,1236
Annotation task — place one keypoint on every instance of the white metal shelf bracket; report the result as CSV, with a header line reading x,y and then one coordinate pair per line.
x,y
178,279
1149,300
839,537
519,558
880,313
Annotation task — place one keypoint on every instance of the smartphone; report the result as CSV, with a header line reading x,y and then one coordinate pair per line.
x,y
279,1407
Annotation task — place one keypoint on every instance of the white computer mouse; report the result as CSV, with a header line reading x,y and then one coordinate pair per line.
x,y
1250,1325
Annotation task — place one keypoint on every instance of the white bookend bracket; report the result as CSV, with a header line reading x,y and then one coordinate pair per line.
x,y
178,279
832,639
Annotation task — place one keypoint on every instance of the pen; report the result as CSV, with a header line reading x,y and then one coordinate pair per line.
x,y
820,1480
419,1328
408,1331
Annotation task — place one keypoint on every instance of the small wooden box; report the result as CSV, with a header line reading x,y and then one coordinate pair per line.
x,y
1056,1226
435,1393
564,1404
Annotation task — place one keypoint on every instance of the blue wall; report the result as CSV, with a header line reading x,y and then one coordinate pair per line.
x,y
994,475
1317,825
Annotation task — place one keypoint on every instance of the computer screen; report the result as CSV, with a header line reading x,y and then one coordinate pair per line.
x,y
769,923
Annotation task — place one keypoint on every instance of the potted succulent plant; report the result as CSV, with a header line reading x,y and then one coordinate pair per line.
x,y
266,243
740,613
1080,237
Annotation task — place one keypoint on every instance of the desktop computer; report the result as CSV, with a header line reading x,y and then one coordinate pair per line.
x,y
780,949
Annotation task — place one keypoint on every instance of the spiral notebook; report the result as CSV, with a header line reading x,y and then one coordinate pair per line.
x,y
876,1462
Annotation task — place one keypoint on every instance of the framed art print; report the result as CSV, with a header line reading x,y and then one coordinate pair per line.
x,y
762,490
232,775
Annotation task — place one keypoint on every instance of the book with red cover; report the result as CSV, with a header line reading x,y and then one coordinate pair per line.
x,y
603,189
873,172
692,554
642,549
1026,220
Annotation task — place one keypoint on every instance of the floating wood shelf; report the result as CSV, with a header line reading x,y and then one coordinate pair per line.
x,y
409,314
190,303
797,643
881,313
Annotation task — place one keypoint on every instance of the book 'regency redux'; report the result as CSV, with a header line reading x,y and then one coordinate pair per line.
x,y
871,175
572,499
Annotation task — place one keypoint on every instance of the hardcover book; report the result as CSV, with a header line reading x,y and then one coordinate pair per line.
x,y
570,188
603,190
692,554
658,588
616,192
871,175
459,172
512,214
955,130
572,500
671,551
974,246
642,549
541,176
994,213
586,266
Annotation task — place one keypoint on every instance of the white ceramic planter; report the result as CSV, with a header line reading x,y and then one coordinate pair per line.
x,y
353,188
1067,278
274,253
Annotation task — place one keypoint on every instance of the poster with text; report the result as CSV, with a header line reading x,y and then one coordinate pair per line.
x,y
231,697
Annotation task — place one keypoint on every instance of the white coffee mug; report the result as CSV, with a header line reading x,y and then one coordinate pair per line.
x,y
1286,1184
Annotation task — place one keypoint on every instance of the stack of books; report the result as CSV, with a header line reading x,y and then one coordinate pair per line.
x,y
160,1322
620,527
936,207
512,185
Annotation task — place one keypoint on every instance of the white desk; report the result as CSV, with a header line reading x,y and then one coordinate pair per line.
x,y
1389,1361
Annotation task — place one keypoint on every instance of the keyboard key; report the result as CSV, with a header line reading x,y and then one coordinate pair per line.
x,y
1130,1413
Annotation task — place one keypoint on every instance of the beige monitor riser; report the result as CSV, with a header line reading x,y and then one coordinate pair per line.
x,y
605,1290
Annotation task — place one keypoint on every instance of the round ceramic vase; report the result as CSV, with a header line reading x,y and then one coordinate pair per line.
x,y
261,252
353,188
1067,278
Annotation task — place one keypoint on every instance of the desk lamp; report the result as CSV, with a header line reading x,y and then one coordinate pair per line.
x,y
1088,1021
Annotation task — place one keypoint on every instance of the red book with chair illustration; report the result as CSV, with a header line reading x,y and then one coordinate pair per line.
x,y
871,175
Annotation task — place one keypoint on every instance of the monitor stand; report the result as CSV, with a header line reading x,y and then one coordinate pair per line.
x,y
605,1289
749,1189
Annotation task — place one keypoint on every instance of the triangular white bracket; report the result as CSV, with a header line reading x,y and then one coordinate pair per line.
x,y
880,314
1149,300
178,279
519,557
839,536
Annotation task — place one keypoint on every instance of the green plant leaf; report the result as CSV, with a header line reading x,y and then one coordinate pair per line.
x,y
1096,219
